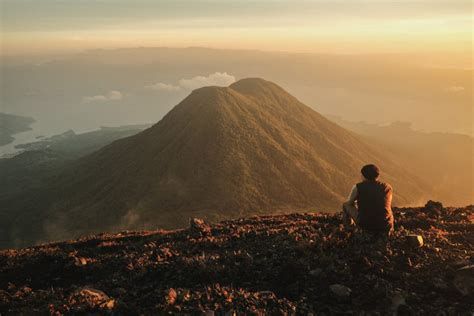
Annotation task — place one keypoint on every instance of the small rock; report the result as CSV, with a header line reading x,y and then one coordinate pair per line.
x,y
5,297
340,290
27,290
460,263
397,300
365,262
315,272
440,284
415,240
80,261
23,291
171,296
198,226
267,293
405,310
464,280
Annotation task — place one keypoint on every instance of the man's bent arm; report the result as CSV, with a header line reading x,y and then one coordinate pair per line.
x,y
352,196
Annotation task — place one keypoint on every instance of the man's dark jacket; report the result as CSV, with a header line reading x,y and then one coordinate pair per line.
x,y
374,201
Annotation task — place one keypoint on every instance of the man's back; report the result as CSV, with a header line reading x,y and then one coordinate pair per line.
x,y
374,201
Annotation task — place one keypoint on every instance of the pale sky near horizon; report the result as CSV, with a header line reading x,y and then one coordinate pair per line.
x,y
324,26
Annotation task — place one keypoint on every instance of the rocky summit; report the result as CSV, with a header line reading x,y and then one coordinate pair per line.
x,y
296,264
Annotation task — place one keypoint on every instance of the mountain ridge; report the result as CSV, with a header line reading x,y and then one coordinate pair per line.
x,y
223,152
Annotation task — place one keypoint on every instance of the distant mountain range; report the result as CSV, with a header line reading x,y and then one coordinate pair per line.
x,y
377,88
25,178
443,159
223,152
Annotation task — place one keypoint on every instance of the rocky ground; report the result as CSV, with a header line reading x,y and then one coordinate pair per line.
x,y
290,264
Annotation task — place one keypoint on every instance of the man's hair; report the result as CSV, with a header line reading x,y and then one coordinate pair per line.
x,y
370,172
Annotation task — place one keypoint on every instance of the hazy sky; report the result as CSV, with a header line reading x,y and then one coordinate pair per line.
x,y
330,26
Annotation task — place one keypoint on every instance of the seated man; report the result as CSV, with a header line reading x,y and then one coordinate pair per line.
x,y
373,211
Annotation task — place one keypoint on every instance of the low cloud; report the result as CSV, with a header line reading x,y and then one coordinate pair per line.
x,y
113,95
215,79
455,89
160,86
222,79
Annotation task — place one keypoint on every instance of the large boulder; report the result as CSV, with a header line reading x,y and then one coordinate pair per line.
x,y
89,299
434,207
198,227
